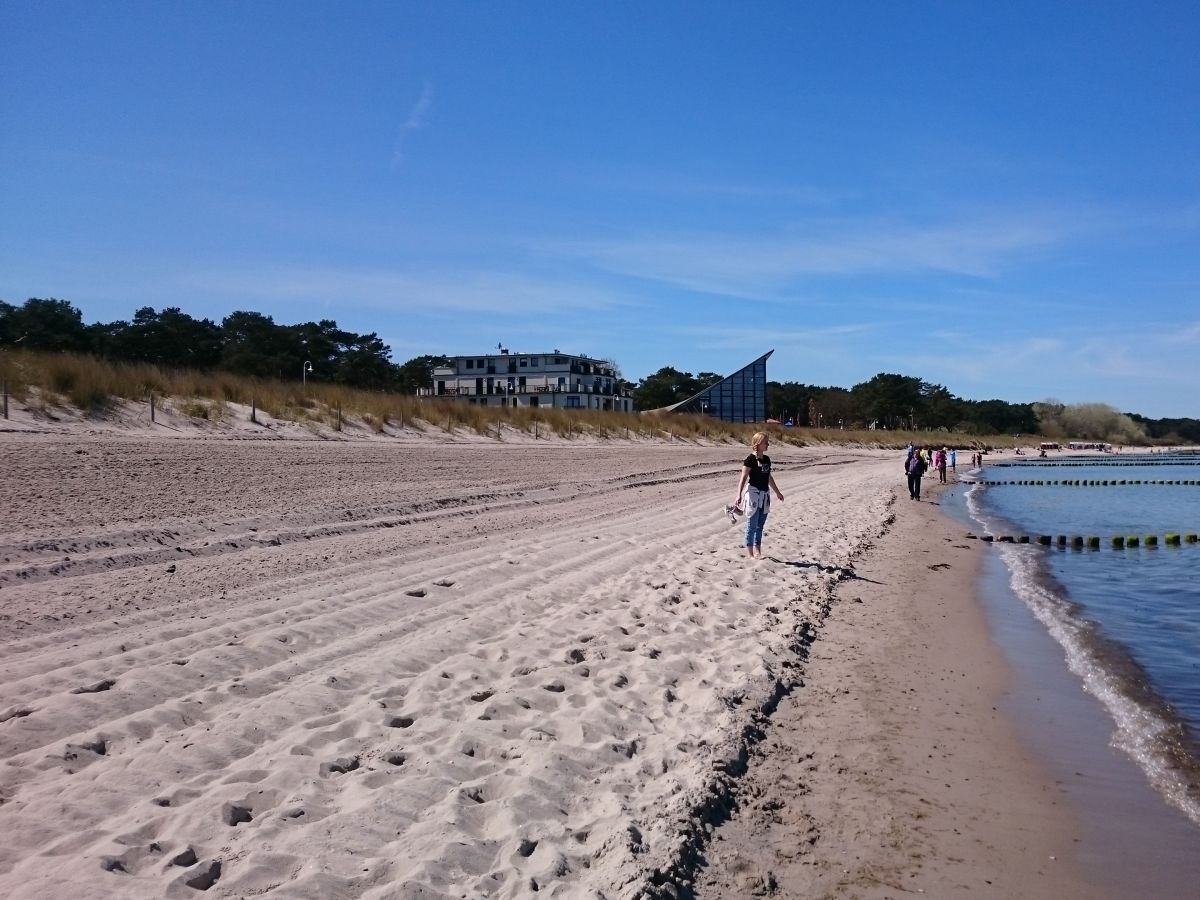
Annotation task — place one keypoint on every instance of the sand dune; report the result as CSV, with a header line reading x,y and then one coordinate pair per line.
x,y
437,670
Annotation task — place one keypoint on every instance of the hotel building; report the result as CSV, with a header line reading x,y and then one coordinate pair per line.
x,y
555,379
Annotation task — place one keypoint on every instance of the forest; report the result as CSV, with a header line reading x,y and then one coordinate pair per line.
x,y
253,344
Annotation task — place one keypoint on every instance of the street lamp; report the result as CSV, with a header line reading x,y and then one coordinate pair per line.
x,y
305,369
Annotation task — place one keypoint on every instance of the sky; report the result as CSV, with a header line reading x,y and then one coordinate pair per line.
x,y
1001,198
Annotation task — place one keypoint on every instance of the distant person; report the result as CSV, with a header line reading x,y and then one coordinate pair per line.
x,y
756,469
953,460
914,468
939,461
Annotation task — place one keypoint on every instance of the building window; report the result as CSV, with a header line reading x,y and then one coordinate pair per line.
x,y
534,362
525,362
479,363
573,403
483,401
470,363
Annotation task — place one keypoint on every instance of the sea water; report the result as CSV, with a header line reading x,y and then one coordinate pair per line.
x,y
1128,619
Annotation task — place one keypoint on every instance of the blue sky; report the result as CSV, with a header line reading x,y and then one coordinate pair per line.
x,y
1003,198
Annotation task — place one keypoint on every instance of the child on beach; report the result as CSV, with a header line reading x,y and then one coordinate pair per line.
x,y
756,469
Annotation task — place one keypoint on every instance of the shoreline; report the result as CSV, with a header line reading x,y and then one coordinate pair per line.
x,y
893,769
1140,842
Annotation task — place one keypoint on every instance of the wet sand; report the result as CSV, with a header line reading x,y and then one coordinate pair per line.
x,y
892,770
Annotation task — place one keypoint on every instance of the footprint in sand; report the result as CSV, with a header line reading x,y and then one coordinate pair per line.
x,y
106,684
339,766
232,814
205,876
85,753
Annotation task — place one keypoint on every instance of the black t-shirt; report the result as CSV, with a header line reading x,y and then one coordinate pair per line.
x,y
760,471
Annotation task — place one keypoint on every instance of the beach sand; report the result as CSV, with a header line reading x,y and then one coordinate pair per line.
x,y
443,669
891,771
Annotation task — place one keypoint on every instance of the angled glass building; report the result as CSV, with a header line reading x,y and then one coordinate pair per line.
x,y
741,397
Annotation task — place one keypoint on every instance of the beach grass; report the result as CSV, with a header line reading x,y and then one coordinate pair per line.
x,y
93,386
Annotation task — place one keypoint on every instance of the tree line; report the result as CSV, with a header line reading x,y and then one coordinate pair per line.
x,y
249,343
907,402
245,343
886,401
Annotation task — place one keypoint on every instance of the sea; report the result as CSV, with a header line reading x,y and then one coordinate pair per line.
x,y
1125,614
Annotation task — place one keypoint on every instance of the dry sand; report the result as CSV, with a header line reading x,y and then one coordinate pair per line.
x,y
318,669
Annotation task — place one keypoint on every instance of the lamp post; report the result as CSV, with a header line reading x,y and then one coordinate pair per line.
x,y
304,370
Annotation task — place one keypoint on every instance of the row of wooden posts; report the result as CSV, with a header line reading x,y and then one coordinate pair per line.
x,y
1092,542
1083,482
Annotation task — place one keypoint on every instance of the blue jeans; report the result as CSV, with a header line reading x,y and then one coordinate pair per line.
x,y
758,504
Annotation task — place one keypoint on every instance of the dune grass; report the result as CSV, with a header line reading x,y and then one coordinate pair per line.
x,y
44,381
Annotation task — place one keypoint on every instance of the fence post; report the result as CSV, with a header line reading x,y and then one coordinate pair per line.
x,y
253,410
6,399
339,417
152,406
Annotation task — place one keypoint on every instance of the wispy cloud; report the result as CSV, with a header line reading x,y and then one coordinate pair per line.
x,y
1075,366
415,121
1185,334
743,338
741,266
429,294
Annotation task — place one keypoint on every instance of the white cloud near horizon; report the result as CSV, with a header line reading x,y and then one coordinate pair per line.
x,y
1074,368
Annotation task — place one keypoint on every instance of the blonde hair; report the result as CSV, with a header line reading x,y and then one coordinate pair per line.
x,y
759,437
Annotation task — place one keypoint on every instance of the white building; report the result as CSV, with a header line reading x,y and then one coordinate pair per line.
x,y
531,379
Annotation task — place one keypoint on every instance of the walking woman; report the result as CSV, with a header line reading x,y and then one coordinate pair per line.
x,y
756,469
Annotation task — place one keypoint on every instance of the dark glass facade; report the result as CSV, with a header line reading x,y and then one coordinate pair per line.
x,y
742,397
